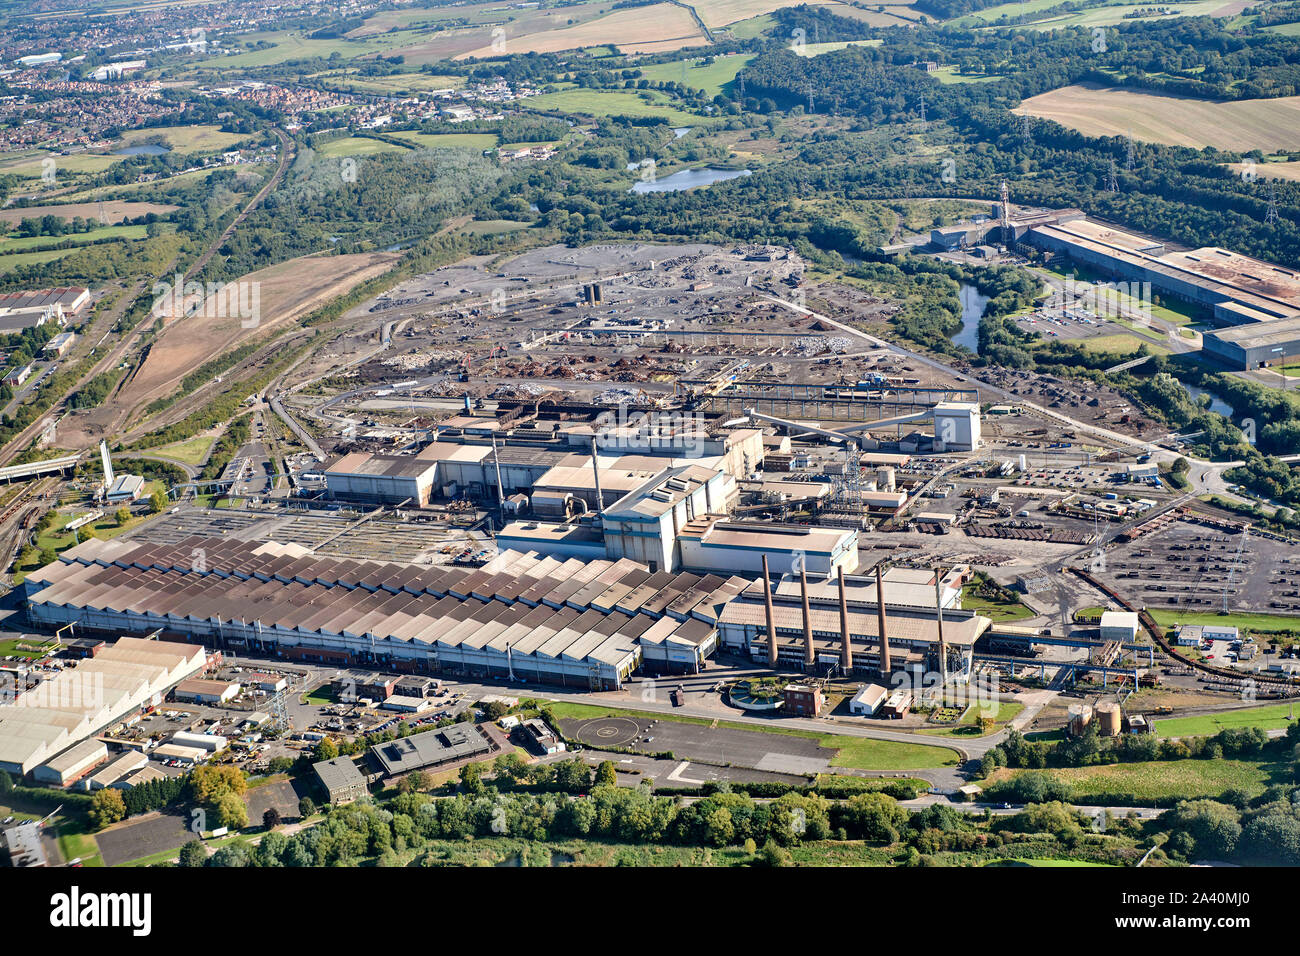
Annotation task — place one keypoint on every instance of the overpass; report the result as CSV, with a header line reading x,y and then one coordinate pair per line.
x,y
51,466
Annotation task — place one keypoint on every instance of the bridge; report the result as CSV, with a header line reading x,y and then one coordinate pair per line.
x,y
51,466
1125,366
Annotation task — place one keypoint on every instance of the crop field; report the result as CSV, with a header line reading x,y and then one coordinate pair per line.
x,y
112,210
1270,170
651,29
1270,124
720,13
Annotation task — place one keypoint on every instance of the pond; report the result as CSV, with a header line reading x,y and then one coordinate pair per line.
x,y
689,179
142,149
972,310
1216,404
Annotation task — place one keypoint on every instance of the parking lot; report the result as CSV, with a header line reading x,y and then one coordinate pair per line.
x,y
777,753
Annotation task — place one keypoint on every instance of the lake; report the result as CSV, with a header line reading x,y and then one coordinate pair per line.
x,y
689,179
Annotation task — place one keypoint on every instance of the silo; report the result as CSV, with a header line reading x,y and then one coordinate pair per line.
x,y
1108,718
885,479
1080,717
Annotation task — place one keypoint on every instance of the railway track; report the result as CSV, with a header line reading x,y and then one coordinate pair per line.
x,y
1158,635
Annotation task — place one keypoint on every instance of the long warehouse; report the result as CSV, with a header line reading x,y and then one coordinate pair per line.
x,y
80,702
533,618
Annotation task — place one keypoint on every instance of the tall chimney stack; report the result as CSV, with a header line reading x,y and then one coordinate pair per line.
x,y
595,467
886,665
943,647
771,628
846,650
809,655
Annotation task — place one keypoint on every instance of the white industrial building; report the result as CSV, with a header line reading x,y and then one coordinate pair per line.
x,y
212,743
711,543
73,764
644,524
957,426
1119,626
868,699
79,702
116,770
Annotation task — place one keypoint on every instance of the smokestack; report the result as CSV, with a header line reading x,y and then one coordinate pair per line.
x,y
886,666
846,651
943,648
496,461
771,628
809,656
595,467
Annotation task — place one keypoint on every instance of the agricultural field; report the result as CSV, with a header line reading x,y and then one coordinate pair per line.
x,y
31,163
721,13
1269,124
1285,170
650,29
114,211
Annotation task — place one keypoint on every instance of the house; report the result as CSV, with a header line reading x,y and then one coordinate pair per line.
x,y
802,700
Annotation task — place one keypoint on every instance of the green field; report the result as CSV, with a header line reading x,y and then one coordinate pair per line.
x,y
694,73
185,139
355,146
292,45
992,609
1164,780
1271,717
31,258
859,753
30,164
10,648
192,451
614,103
1246,621
10,246
475,141
492,227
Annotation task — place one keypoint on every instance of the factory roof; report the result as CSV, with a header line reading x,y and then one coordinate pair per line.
x,y
380,466
1260,334
715,532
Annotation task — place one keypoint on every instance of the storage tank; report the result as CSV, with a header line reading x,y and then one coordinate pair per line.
x,y
885,479
1080,717
1108,718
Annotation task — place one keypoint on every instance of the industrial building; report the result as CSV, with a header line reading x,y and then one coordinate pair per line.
x,y
342,781
200,691
957,426
430,749
524,616
713,544
117,770
73,764
79,702
804,624
1119,626
1258,345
